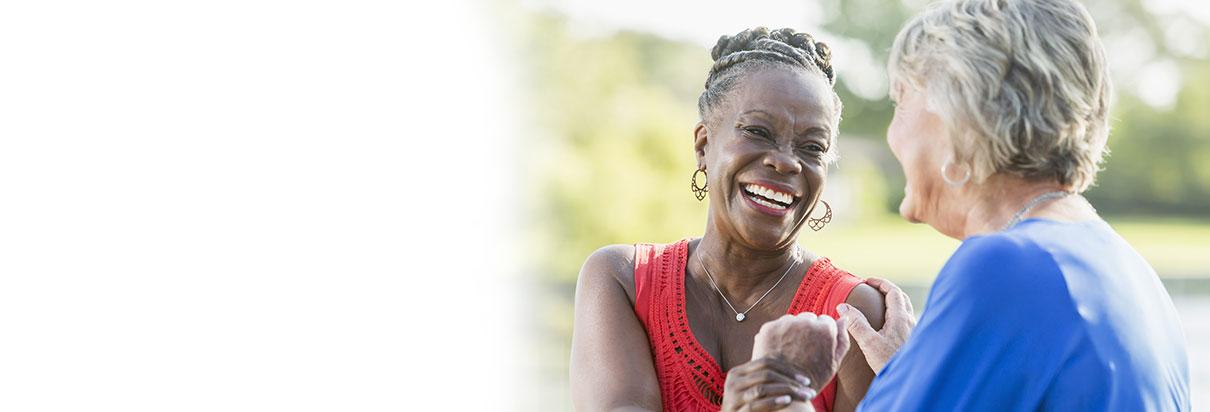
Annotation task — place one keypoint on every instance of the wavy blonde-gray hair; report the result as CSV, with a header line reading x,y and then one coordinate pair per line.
x,y
1021,85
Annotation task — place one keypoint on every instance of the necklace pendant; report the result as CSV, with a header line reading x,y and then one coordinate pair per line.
x,y
739,317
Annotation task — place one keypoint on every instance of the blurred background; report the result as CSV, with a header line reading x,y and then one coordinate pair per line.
x,y
609,95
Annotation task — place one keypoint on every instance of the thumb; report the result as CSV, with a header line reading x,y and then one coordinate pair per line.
x,y
858,326
842,339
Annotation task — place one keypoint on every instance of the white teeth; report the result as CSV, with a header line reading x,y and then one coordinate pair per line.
x,y
771,194
781,197
769,204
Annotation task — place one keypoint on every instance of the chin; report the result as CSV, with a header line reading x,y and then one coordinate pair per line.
x,y
765,237
767,240
907,211
764,232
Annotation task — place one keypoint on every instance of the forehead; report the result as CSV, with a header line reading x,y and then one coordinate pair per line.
x,y
794,94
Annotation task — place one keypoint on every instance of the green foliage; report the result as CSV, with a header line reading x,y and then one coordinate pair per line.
x,y
617,114
1159,161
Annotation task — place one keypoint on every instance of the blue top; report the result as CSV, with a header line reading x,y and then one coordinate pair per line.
x,y
1044,316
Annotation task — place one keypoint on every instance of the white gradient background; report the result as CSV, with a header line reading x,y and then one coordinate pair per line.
x,y
253,206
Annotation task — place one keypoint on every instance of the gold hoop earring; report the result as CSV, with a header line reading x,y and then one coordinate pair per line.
x,y
818,224
699,192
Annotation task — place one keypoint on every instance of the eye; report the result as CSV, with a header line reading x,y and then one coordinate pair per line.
x,y
813,148
757,131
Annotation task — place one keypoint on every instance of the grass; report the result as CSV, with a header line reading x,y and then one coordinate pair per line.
x,y
1175,247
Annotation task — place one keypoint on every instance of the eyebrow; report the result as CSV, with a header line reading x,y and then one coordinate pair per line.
x,y
811,130
757,111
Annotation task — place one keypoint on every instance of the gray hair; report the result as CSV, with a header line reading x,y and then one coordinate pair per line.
x,y
1021,85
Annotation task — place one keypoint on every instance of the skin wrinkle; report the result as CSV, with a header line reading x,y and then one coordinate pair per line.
x,y
809,131
728,168
759,49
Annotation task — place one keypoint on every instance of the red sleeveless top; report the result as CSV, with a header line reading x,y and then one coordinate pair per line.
x,y
690,379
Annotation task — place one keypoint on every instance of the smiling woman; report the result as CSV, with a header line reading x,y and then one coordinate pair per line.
x,y
672,326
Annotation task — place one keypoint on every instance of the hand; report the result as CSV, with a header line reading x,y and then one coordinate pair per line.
x,y
813,344
765,384
878,346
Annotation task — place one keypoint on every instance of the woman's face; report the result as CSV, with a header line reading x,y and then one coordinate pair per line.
x,y
917,138
764,155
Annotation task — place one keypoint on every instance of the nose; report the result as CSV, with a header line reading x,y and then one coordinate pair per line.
x,y
786,164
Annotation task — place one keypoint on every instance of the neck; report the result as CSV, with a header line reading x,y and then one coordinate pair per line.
x,y
989,206
742,272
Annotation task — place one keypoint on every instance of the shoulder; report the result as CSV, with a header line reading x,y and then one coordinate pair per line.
x,y
1002,269
1005,250
608,267
865,298
1010,257
611,258
870,302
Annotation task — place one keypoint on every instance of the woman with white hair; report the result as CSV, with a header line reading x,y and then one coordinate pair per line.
x,y
1000,124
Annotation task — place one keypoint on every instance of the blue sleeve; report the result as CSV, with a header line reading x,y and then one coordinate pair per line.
x,y
996,328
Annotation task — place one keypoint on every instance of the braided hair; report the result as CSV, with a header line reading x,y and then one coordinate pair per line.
x,y
758,48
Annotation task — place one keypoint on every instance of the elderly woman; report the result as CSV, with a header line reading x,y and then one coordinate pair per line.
x,y
672,326
1000,123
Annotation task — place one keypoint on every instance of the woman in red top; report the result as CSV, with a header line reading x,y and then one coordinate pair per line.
x,y
671,326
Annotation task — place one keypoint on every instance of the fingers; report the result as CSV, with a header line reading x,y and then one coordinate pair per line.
x,y
767,363
842,339
883,285
777,390
768,404
765,384
898,305
857,325
764,371
760,346
901,304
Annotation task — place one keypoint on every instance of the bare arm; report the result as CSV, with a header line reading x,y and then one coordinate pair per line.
x,y
854,377
611,363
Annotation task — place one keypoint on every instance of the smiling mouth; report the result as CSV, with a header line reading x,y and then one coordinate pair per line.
x,y
768,197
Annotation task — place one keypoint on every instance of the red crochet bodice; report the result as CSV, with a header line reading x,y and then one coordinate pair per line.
x,y
690,379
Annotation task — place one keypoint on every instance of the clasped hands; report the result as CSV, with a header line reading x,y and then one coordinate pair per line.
x,y
794,356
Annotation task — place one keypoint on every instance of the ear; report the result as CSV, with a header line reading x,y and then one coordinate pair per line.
x,y
701,135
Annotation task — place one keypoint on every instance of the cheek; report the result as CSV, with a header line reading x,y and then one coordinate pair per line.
x,y
816,171
899,139
895,136
905,141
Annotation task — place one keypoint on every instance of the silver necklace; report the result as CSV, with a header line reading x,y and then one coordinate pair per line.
x,y
1031,204
740,316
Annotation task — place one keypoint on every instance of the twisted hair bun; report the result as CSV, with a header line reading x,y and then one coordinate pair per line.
x,y
781,45
757,47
